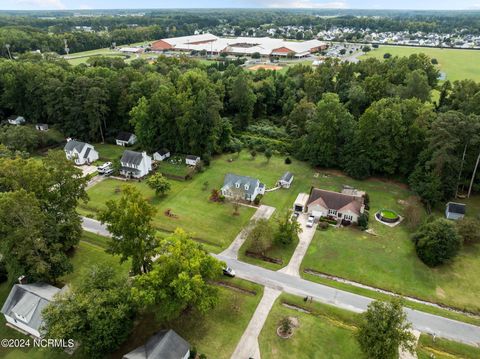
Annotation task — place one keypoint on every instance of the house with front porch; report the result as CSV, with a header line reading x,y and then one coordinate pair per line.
x,y
243,187
135,164
80,152
324,203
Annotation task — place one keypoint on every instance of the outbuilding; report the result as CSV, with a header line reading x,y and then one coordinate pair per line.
x,y
286,180
192,160
300,204
41,127
161,154
16,120
455,211
125,139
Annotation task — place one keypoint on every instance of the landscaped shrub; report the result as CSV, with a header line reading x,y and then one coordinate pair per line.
x,y
363,221
322,226
469,229
288,161
327,220
193,353
257,199
437,242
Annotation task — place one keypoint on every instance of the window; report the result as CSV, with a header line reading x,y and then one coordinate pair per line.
x,y
332,212
348,217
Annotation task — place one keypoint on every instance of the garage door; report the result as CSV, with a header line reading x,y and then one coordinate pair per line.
x,y
317,214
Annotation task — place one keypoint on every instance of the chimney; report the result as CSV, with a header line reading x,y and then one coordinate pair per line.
x,y
22,279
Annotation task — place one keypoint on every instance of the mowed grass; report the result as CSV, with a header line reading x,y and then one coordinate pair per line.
x,y
109,152
326,332
389,260
444,349
458,64
214,334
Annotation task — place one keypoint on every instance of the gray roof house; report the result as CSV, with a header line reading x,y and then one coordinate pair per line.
x,y
192,160
16,120
166,344
247,188
135,164
125,139
80,152
455,210
161,154
24,305
286,180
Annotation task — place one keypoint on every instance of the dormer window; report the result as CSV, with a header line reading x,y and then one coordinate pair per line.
x,y
246,187
237,185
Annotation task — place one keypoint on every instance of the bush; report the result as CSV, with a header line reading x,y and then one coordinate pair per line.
x,y
327,220
363,221
3,272
434,61
257,199
193,353
469,230
202,356
437,242
288,161
322,226
387,55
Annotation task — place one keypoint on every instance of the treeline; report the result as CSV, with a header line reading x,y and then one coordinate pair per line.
x,y
370,118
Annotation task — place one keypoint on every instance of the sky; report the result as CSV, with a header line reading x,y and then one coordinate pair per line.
x,y
305,4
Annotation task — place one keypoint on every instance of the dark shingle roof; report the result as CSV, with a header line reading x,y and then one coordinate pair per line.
x,y
335,200
231,179
131,157
166,344
124,136
73,144
287,176
29,300
454,207
163,151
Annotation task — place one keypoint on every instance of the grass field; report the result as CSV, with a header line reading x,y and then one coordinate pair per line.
x,y
389,261
457,64
444,349
326,332
109,152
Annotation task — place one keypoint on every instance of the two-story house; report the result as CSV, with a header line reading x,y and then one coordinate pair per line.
x,y
80,152
244,187
135,164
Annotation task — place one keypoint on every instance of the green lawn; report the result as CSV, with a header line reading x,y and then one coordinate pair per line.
x,y
326,332
389,261
215,334
109,152
458,64
174,169
444,349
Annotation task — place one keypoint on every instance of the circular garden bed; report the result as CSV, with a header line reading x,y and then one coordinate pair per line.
x,y
387,216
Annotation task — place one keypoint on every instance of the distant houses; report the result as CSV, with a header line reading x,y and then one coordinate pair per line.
x,y
80,152
166,344
24,305
135,164
245,187
191,160
345,207
455,210
161,154
16,120
125,139
41,127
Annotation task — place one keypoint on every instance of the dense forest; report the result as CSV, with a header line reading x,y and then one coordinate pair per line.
x,y
373,118
46,31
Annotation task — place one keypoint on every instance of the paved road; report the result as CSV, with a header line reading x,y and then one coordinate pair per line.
x,y
424,322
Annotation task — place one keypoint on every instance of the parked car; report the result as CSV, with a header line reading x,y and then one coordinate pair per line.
x,y
229,272
108,172
101,169
310,221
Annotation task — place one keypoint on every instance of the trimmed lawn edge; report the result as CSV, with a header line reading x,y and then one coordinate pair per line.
x,y
381,296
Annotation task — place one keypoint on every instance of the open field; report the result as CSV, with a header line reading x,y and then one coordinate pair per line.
x,y
326,332
456,63
265,67
109,152
389,261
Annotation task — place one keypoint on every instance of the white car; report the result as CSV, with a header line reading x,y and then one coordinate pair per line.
x,y
103,168
310,221
229,272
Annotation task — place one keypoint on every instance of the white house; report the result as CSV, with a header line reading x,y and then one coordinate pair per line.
x,y
80,152
41,127
455,210
161,154
24,305
247,188
192,160
126,139
135,164
286,180
16,120
323,203
166,344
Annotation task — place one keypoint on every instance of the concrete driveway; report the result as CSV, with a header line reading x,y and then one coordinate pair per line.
x,y
304,239
86,170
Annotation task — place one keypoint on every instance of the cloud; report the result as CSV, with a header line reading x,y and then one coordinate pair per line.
x,y
42,4
308,4
85,7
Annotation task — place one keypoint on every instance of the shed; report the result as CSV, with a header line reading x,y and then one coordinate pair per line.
x,y
192,160
455,211
286,180
300,204
161,154
41,127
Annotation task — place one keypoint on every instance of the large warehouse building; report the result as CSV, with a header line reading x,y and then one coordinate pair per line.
x,y
214,45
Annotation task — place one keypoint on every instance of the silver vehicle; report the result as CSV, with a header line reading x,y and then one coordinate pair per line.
x,y
310,221
229,272
106,166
